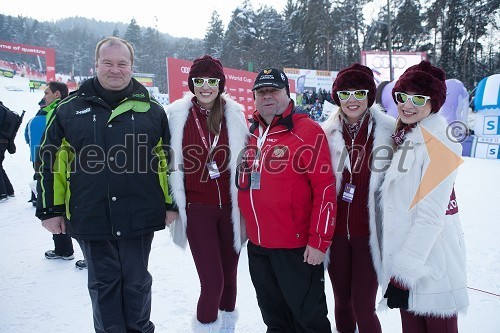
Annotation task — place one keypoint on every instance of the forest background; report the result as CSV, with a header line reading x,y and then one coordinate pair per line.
x,y
460,36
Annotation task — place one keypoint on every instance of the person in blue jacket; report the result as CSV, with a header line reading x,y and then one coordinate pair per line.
x,y
53,94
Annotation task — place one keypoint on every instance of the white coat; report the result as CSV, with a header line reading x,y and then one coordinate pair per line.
x,y
422,247
382,127
237,131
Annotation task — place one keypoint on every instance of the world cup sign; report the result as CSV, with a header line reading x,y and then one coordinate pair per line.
x,y
379,62
238,83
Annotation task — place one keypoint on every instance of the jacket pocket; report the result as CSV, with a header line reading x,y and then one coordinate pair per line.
x,y
437,260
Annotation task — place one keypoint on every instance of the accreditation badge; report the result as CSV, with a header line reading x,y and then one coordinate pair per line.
x,y
255,181
213,170
348,194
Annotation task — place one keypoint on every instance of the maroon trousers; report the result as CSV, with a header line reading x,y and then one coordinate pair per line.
x,y
354,283
421,324
210,235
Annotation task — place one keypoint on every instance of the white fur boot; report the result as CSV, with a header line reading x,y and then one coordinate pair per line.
x,y
206,328
228,321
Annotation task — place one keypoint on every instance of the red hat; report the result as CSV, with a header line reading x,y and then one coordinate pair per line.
x,y
356,76
423,79
207,67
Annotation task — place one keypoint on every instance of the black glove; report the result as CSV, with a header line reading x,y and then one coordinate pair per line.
x,y
396,297
11,148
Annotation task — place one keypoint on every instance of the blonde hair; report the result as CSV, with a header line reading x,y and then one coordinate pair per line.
x,y
112,40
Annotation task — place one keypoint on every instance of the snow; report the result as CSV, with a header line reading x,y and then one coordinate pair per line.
x,y
38,295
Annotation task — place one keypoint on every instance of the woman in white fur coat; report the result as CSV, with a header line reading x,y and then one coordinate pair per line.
x,y
359,137
423,269
208,132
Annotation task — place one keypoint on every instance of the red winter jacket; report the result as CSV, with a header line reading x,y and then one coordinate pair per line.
x,y
296,203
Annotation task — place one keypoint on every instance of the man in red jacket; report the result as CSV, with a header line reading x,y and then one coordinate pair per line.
x,y
287,197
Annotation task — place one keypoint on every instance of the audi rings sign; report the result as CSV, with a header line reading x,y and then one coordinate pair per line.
x,y
378,61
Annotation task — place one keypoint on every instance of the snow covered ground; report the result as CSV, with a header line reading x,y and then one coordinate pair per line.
x,y
38,295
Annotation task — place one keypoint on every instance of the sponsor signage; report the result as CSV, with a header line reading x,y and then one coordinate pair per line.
x,y
147,80
7,73
378,61
488,148
238,83
311,79
47,52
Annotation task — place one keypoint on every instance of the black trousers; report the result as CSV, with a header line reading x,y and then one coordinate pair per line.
x,y
5,185
290,292
63,245
119,284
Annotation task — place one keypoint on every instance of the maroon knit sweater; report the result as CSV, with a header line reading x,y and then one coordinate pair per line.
x,y
355,219
198,185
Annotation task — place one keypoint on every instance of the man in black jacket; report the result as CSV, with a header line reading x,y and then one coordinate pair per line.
x,y
6,188
104,168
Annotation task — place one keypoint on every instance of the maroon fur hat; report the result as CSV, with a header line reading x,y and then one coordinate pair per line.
x,y
355,76
207,67
423,79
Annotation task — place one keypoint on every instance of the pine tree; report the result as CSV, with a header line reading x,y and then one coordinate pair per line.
x,y
134,35
214,36
239,38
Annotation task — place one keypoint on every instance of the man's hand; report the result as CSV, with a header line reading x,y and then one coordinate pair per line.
x,y
313,256
171,217
55,225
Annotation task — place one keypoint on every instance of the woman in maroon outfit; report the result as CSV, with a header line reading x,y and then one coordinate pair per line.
x,y
356,133
208,132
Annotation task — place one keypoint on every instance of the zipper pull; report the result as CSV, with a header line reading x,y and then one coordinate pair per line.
x,y
95,127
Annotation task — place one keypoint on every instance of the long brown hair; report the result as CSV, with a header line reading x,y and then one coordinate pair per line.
x,y
215,116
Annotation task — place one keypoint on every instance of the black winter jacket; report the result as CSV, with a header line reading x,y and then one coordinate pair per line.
x,y
105,170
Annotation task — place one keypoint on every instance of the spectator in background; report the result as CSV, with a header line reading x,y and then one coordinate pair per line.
x,y
34,152
31,84
6,189
53,94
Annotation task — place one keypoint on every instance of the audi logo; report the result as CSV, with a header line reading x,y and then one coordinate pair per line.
x,y
383,62
185,70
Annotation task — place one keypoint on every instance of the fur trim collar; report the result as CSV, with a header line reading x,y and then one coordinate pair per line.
x,y
237,129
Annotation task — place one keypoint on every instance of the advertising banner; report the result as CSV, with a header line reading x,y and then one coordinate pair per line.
x,y
487,148
47,52
311,79
378,61
147,80
7,73
238,83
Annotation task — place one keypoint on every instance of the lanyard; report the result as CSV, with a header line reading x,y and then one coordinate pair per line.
x,y
349,162
202,135
260,142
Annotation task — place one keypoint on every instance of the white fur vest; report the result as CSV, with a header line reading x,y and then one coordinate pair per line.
x,y
237,131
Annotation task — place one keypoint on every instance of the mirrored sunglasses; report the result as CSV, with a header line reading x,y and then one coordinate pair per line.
x,y
199,81
417,100
358,94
